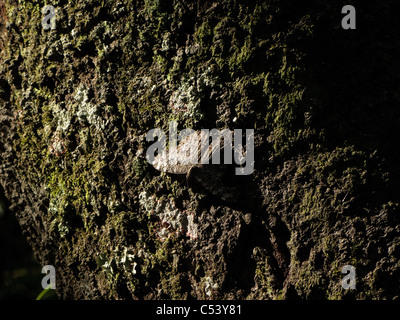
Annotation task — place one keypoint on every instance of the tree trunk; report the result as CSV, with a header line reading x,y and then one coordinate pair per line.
x,y
76,104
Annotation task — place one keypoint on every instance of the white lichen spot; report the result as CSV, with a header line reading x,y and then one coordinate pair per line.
x,y
63,229
62,116
166,42
127,261
142,253
53,206
187,96
105,264
57,227
209,286
206,80
187,99
87,112
121,259
191,227
171,219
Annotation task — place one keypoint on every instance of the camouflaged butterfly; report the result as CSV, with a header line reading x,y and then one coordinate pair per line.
x,y
195,149
192,155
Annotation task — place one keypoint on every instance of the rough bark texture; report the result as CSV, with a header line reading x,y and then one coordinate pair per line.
x,y
76,103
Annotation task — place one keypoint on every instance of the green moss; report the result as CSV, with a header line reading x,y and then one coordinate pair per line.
x,y
203,34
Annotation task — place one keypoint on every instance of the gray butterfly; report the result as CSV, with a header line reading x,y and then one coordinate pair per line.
x,y
194,150
192,156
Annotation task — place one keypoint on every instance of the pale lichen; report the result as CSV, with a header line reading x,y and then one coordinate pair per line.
x,y
120,260
87,112
61,116
171,220
210,286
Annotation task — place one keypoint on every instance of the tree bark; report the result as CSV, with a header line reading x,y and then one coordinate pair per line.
x,y
77,101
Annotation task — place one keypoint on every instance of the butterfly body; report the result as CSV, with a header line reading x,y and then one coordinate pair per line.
x,y
194,150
